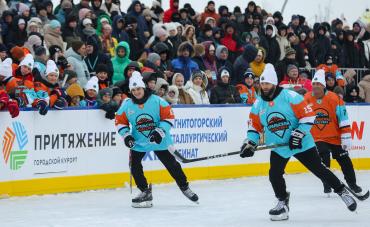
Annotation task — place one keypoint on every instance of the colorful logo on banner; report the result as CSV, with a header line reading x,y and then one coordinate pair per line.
x,y
15,140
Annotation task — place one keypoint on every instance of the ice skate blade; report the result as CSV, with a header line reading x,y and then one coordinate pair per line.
x,y
146,204
327,195
280,217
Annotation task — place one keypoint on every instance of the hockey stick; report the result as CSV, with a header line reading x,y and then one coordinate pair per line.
x,y
185,160
130,164
359,197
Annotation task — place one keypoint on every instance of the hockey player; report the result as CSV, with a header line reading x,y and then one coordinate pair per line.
x,y
150,118
285,117
332,130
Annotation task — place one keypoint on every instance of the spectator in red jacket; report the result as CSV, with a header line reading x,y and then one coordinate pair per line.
x,y
231,41
174,8
294,82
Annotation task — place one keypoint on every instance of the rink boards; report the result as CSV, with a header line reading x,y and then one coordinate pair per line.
x,y
78,149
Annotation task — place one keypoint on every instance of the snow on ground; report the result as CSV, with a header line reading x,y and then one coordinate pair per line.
x,y
235,202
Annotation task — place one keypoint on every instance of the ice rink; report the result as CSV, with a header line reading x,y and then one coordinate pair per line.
x,y
235,202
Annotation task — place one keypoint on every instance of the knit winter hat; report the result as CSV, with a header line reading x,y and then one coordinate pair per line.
x,y
51,67
17,52
290,67
116,91
269,75
249,73
92,84
75,90
136,81
82,13
225,72
27,61
6,68
160,32
21,21
34,40
319,77
54,24
86,21
289,50
153,57
106,91
101,68
22,8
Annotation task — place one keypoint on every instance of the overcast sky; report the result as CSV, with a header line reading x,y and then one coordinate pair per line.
x,y
351,9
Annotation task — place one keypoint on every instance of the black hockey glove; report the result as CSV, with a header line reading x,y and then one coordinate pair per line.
x,y
129,140
42,106
157,135
248,149
295,140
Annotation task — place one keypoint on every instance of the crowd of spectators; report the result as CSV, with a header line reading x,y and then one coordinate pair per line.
x,y
84,54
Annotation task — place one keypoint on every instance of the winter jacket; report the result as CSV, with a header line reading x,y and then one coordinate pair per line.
x,y
207,14
273,48
52,37
224,93
241,64
96,58
184,96
281,67
185,66
79,66
197,93
320,49
283,43
119,64
119,34
141,24
168,13
296,85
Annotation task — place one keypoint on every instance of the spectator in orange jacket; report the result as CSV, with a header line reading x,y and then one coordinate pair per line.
x,y
330,66
246,89
23,91
210,11
49,84
5,102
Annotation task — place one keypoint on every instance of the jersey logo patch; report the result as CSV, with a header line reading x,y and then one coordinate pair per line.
x,y
145,124
322,118
277,124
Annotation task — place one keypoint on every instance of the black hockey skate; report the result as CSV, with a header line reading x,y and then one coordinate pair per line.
x,y
144,199
348,199
281,211
327,190
190,194
358,192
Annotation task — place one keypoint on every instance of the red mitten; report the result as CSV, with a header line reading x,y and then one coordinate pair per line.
x,y
13,108
4,99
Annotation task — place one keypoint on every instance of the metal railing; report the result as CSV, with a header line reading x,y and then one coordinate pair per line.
x,y
360,72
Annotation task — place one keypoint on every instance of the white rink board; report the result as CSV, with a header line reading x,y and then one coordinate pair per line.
x,y
113,156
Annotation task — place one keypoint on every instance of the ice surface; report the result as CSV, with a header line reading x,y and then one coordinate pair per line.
x,y
235,202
